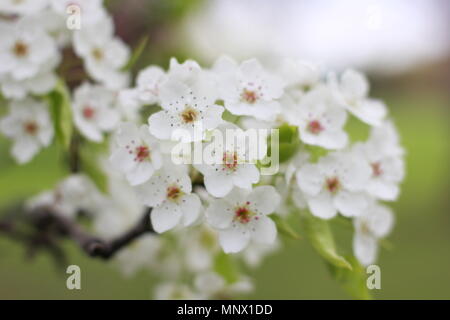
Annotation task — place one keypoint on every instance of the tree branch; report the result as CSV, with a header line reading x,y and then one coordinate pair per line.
x,y
49,226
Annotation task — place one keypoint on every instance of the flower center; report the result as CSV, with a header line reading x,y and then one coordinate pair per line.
x,y
315,127
243,214
230,160
97,53
376,169
88,112
174,193
333,185
249,96
189,115
31,127
20,49
142,153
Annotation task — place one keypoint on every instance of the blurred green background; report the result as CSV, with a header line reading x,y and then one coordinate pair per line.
x,y
415,266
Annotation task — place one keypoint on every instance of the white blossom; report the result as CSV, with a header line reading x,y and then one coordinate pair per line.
x,y
248,89
25,49
320,120
104,55
169,193
187,113
241,217
231,165
374,224
136,154
335,183
385,156
23,7
94,111
28,124
351,92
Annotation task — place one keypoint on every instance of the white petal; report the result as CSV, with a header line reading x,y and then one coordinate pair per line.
x,y
265,231
245,176
24,149
354,84
161,125
218,184
365,248
165,216
233,239
310,179
322,206
219,214
351,204
264,199
140,173
122,159
190,207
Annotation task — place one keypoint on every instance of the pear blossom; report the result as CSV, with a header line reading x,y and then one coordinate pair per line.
x,y
373,225
92,11
147,88
351,92
94,111
28,124
241,217
320,120
104,55
187,113
335,183
23,7
25,49
230,164
168,192
136,154
299,74
385,156
248,89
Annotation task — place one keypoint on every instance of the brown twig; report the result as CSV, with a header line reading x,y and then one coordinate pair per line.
x,y
49,226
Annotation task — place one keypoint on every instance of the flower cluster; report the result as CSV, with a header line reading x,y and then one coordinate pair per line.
x,y
202,211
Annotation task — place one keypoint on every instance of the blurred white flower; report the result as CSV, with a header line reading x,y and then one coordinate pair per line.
x,y
373,225
335,183
25,49
351,92
92,11
94,111
73,194
248,89
241,217
22,7
320,120
104,55
137,153
384,154
29,125
210,285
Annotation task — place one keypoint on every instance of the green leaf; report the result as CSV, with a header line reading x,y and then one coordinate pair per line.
x,y
353,281
288,142
225,266
319,234
315,152
137,52
284,228
60,110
